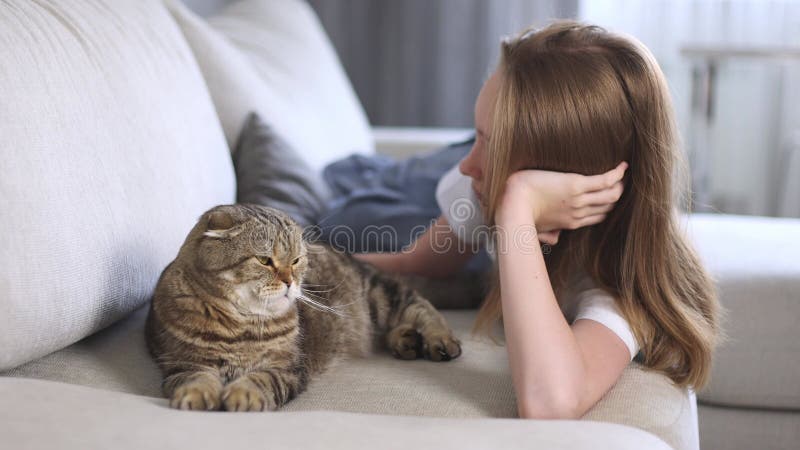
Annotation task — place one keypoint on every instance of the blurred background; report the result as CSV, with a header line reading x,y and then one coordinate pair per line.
x,y
733,67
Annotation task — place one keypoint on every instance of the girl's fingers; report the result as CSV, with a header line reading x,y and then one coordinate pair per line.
x,y
604,180
587,221
602,197
593,210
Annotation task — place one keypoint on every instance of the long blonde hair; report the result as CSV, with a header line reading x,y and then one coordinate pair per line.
x,y
576,98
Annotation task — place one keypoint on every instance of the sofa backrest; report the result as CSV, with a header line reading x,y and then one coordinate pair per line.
x,y
111,149
273,57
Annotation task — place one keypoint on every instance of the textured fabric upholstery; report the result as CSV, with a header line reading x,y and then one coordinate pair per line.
x,y
756,264
111,149
476,385
273,57
128,422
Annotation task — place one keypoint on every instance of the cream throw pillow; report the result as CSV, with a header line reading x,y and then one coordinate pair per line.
x,y
274,58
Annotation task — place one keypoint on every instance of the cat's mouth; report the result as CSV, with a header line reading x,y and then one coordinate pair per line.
x,y
276,298
274,292
281,297
284,297
278,302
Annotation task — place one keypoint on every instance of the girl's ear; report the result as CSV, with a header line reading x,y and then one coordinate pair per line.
x,y
221,225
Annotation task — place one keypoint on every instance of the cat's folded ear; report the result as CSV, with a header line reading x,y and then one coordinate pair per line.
x,y
221,223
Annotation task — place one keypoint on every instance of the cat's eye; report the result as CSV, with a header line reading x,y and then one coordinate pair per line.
x,y
296,260
265,261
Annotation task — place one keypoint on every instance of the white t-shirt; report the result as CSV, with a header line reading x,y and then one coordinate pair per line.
x,y
583,299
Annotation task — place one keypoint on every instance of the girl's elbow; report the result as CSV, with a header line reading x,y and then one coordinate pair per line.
x,y
564,407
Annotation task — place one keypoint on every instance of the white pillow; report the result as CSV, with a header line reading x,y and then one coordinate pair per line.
x,y
273,57
110,150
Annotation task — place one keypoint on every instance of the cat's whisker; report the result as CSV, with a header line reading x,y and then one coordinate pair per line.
x,y
341,305
313,284
304,286
318,293
338,306
321,307
312,294
321,298
318,297
317,305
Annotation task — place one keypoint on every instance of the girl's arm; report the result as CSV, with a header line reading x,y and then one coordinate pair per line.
x,y
558,371
436,253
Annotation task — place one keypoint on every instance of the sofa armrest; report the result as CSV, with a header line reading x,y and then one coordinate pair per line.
x,y
402,142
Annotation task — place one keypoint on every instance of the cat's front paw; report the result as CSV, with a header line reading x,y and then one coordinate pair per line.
x,y
405,342
195,396
440,345
244,395
437,344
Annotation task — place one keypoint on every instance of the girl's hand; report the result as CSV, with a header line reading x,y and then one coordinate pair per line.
x,y
548,237
558,201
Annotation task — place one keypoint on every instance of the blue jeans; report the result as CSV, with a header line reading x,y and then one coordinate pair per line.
x,y
382,205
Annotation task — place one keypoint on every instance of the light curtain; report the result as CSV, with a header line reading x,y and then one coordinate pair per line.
x,y
753,145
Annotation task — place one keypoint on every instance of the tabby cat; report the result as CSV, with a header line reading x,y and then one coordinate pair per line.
x,y
248,311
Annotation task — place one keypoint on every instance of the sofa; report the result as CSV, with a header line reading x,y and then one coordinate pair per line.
x,y
117,119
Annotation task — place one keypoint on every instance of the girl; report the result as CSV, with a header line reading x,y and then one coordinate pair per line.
x,y
576,145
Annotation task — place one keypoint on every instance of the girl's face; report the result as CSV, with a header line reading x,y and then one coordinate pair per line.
x,y
474,163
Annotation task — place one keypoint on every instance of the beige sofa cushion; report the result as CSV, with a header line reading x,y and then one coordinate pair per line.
x,y
111,150
756,264
53,415
476,385
273,57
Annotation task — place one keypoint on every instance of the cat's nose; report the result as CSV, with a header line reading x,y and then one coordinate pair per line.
x,y
285,276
